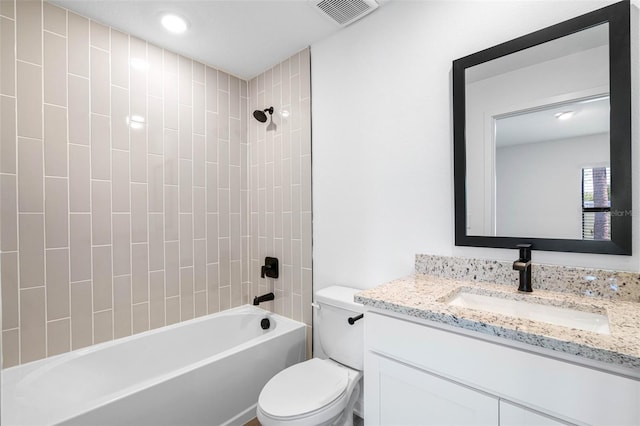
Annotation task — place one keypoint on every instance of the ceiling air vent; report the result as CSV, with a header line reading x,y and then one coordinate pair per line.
x,y
344,12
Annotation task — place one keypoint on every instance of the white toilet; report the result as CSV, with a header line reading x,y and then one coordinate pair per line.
x,y
321,391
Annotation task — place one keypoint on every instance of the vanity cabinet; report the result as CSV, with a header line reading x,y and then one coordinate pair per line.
x,y
421,374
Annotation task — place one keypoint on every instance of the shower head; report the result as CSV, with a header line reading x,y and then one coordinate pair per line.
x,y
261,116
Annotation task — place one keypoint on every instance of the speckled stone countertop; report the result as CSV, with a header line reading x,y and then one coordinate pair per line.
x,y
425,297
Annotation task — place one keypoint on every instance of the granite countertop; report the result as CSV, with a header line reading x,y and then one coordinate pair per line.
x,y
425,297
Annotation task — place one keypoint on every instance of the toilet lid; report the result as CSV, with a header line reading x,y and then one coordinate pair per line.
x,y
303,388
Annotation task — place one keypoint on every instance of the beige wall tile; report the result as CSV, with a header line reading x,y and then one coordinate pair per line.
x,y
32,324
103,326
199,213
154,126
55,140
122,306
186,131
139,273
187,307
78,44
211,79
99,36
28,24
55,19
7,9
138,212
200,265
170,157
225,298
171,218
102,278
8,213
154,59
156,295
56,212
7,56
213,295
199,165
119,117
30,179
121,181
212,238
156,242
9,270
29,101
121,244
55,69
199,95
140,318
200,302
170,99
101,147
212,137
156,183
79,117
57,283
223,115
186,239
185,186
100,212
7,134
10,348
186,77
138,155
172,269
138,77
80,246
79,179
172,310
100,81
81,315
212,188
31,256
119,59
58,336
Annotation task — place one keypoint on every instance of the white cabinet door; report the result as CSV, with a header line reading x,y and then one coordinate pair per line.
x,y
513,415
406,396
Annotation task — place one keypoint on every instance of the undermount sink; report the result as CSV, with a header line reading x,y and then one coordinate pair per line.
x,y
536,310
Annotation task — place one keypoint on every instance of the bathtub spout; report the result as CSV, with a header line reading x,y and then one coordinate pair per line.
x,y
264,298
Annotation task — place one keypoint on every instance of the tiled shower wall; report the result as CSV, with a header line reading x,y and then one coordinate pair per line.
x,y
110,227
280,185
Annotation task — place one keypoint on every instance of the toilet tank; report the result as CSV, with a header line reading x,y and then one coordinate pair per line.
x,y
340,340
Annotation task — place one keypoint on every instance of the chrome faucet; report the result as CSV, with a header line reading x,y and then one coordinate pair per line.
x,y
523,265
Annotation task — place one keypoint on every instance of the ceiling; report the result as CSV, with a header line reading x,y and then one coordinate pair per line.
x,y
242,37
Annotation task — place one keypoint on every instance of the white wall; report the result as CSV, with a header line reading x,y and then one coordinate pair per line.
x,y
382,135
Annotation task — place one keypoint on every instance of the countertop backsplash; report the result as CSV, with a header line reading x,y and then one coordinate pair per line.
x,y
622,286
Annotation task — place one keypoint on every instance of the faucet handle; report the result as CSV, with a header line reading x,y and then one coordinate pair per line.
x,y
525,251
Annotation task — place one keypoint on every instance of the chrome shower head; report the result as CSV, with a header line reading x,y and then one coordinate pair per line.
x,y
261,116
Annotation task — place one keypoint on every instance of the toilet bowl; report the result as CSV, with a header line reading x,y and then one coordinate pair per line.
x,y
315,392
321,392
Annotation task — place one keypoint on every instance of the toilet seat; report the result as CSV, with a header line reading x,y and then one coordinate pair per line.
x,y
303,389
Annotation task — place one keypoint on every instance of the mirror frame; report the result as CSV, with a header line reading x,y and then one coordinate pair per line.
x,y
617,16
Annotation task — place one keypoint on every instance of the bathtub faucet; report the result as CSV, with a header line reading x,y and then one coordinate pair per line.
x,y
264,298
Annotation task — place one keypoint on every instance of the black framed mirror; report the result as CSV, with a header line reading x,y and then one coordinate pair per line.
x,y
522,173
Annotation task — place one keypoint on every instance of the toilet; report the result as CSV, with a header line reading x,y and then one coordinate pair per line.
x,y
321,392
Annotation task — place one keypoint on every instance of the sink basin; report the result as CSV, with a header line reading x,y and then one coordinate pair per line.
x,y
536,311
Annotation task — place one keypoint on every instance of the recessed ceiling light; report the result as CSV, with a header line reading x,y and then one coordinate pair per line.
x,y
174,23
565,115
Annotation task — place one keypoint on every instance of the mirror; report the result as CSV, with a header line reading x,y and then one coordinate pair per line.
x,y
542,138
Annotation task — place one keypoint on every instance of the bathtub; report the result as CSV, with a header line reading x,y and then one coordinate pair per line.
x,y
206,371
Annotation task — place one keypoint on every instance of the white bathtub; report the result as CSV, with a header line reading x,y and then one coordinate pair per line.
x,y
206,371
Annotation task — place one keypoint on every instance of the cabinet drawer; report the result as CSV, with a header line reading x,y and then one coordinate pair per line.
x,y
561,389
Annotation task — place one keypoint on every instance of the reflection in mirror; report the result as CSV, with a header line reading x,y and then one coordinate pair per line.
x,y
528,117
542,138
